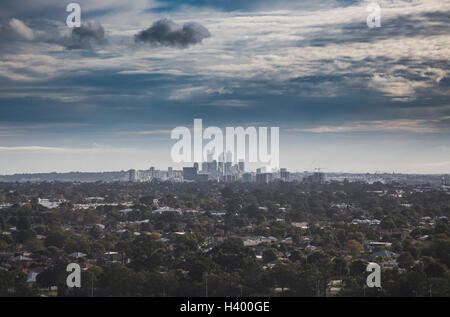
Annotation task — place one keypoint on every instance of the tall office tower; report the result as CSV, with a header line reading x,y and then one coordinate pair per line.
x,y
170,172
247,177
228,178
261,170
212,166
202,177
445,181
284,174
228,168
316,178
189,173
241,166
264,178
220,168
152,173
319,178
133,176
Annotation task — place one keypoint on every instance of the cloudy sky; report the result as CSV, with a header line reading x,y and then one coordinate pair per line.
x,y
105,96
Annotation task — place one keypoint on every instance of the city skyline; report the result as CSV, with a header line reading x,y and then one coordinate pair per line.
x,y
252,168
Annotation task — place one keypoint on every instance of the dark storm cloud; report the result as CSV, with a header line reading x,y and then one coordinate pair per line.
x,y
168,33
85,36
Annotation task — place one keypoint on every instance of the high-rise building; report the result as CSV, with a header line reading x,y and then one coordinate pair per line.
x,y
133,175
229,178
261,170
189,173
152,173
220,168
241,166
228,168
201,177
264,178
445,181
247,177
284,174
212,166
316,178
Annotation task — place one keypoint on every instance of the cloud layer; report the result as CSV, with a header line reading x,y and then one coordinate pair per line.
x,y
311,67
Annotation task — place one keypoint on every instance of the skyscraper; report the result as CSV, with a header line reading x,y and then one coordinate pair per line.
x,y
241,166
228,168
247,177
212,166
189,173
132,175
284,174
261,170
264,178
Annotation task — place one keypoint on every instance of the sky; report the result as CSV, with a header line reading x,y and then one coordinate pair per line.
x,y
105,96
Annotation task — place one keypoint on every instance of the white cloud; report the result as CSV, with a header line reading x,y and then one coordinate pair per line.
x,y
21,29
191,92
398,88
399,125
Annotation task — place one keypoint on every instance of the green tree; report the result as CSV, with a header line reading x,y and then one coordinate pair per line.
x,y
405,260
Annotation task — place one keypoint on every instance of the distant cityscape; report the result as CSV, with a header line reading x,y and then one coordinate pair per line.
x,y
226,172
